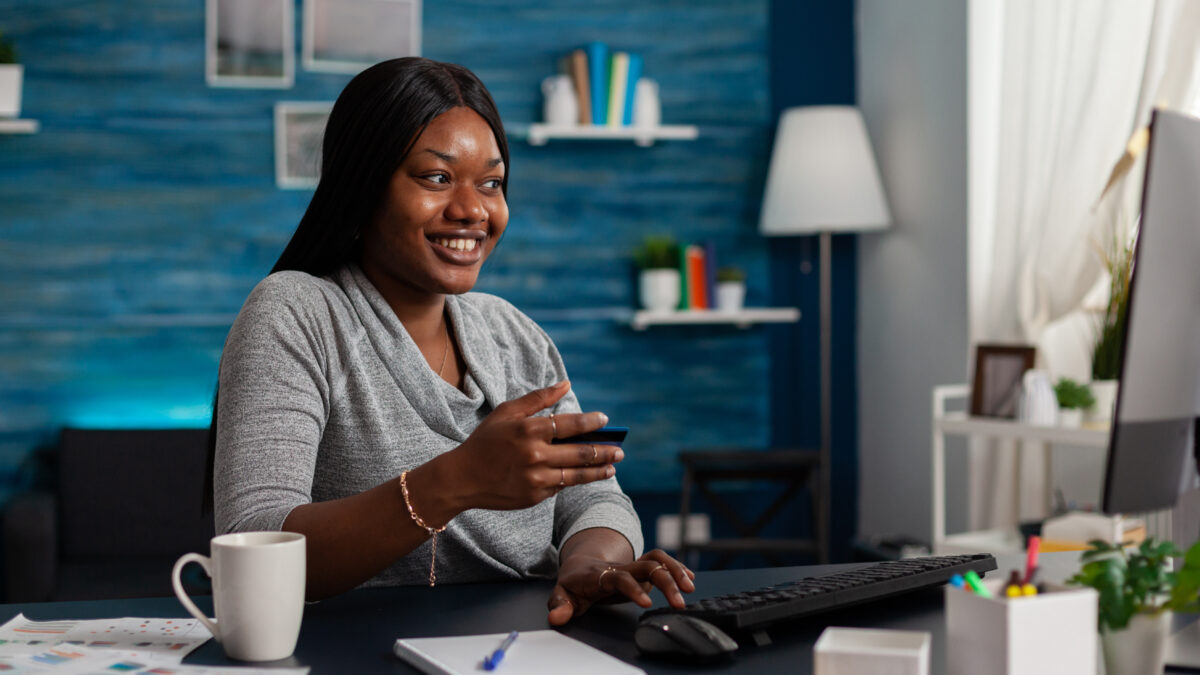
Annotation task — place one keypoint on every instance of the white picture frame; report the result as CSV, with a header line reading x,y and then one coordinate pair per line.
x,y
346,36
299,131
250,43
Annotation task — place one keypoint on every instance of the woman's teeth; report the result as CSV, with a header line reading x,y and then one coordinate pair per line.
x,y
459,244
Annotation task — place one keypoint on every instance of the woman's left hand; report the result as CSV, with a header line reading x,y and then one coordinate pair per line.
x,y
582,582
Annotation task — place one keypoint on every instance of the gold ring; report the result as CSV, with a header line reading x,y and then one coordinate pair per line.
x,y
660,567
600,581
562,477
553,427
595,455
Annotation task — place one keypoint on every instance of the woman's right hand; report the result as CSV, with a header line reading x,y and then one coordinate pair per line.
x,y
509,462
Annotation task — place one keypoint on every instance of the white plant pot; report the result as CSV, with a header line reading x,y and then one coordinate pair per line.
x,y
659,289
1070,418
731,295
1105,392
10,89
1140,649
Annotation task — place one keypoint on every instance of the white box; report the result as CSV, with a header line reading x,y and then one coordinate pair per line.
x,y
871,651
1052,633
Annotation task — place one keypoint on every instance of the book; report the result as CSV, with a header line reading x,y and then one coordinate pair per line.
x,y
697,282
685,295
579,75
533,653
597,53
635,74
618,77
710,272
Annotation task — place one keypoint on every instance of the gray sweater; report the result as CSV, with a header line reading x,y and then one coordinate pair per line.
x,y
325,395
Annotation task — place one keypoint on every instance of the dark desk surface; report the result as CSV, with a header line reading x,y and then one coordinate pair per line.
x,y
355,632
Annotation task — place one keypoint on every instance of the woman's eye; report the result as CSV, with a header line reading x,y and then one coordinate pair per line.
x,y
493,184
439,178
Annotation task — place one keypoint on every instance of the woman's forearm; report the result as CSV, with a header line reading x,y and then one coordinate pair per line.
x,y
352,539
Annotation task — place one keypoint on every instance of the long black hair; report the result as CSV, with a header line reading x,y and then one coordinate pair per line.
x,y
374,123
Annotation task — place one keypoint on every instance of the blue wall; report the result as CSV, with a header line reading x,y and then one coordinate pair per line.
x,y
135,223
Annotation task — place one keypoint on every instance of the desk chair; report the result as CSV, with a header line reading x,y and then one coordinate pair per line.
x,y
796,469
125,507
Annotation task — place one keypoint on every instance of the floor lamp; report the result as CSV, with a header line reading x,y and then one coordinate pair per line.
x,y
823,179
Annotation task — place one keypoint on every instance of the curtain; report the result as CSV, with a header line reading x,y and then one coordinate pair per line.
x,y
1068,83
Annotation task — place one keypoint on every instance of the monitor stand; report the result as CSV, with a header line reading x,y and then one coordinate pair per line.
x,y
1183,648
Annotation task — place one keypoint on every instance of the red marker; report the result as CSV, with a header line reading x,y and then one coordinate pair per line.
x,y
1031,558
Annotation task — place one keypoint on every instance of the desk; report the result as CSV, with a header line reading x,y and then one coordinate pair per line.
x,y
354,632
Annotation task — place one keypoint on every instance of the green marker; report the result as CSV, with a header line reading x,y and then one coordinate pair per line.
x,y
976,584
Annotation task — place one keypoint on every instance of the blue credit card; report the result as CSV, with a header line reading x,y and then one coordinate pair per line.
x,y
605,436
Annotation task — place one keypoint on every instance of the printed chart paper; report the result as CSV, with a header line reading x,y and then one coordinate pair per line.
x,y
68,659
175,638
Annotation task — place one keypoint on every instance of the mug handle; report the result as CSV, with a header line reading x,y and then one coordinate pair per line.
x,y
190,606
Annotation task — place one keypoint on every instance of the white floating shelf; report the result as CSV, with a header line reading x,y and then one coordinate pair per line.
x,y
538,134
742,318
9,126
963,424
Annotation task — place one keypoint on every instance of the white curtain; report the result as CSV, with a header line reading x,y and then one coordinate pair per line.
x,y
1056,88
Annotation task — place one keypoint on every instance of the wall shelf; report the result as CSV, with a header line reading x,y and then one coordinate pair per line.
x,y
10,126
539,134
743,318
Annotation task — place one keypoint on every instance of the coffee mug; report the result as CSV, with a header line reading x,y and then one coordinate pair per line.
x,y
258,592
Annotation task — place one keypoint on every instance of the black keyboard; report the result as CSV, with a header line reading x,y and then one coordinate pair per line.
x,y
756,609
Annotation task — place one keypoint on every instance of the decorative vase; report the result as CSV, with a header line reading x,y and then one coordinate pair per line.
x,y
1139,649
560,107
1105,392
10,89
659,289
730,295
1070,418
647,109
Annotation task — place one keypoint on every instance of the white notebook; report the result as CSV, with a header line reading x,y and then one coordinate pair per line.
x,y
532,653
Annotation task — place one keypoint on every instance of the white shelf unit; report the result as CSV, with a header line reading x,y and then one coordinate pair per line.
x,y
960,424
743,318
17,126
539,134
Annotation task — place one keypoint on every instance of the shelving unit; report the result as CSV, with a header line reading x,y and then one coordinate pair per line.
x,y
18,126
539,134
744,318
960,424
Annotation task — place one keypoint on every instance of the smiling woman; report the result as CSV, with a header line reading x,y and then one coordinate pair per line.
x,y
400,422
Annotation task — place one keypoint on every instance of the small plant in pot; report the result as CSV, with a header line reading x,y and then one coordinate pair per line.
x,y
731,289
11,74
1110,331
657,260
1073,398
1138,593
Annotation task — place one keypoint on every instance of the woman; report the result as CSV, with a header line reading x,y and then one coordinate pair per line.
x,y
368,400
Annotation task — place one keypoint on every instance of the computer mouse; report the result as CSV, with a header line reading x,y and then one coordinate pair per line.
x,y
680,637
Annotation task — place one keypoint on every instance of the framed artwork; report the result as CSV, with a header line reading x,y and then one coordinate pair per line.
x,y
250,43
299,130
346,36
996,386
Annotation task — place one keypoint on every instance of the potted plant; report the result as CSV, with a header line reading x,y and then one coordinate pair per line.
x,y
731,288
1138,593
1073,398
11,74
1110,333
657,259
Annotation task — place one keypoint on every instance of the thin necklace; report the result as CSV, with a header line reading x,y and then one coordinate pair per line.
x,y
445,352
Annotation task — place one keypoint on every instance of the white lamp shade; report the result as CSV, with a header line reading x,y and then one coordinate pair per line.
x,y
823,176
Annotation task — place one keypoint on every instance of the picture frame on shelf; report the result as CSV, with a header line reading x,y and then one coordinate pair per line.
x,y
250,44
299,132
346,36
996,384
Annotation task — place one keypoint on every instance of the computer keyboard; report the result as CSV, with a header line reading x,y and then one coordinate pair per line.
x,y
756,609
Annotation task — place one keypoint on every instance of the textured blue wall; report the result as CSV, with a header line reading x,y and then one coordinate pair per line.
x,y
135,223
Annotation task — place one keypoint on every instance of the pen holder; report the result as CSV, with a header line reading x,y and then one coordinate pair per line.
x,y
1052,633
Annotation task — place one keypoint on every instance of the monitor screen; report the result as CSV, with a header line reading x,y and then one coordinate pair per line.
x,y
1150,452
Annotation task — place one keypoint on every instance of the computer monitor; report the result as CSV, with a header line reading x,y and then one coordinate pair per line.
x,y
1151,450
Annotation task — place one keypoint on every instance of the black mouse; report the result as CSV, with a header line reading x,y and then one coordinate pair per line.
x,y
682,638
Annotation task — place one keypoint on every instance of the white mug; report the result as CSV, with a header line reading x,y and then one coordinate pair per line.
x,y
258,592
560,106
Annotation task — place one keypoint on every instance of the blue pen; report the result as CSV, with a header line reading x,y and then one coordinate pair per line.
x,y
957,581
490,662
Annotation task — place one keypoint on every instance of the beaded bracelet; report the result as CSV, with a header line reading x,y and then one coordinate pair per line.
x,y
431,531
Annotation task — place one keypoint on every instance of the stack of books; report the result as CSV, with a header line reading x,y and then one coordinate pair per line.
x,y
605,82
697,276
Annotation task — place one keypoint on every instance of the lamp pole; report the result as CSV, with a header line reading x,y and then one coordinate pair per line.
x,y
826,450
